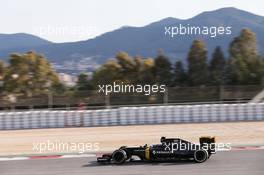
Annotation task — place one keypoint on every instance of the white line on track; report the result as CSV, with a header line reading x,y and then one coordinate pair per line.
x,y
13,158
76,156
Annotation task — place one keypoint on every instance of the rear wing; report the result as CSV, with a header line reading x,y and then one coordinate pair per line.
x,y
208,143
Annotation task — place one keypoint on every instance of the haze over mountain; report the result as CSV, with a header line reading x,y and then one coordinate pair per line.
x,y
144,41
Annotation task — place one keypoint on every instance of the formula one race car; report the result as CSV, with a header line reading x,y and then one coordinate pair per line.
x,y
170,149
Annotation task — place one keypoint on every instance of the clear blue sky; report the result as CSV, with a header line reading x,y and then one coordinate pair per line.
x,y
72,20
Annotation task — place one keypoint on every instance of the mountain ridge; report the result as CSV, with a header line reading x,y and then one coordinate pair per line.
x,y
148,39
17,39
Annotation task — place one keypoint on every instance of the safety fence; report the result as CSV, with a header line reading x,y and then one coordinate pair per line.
x,y
90,98
132,116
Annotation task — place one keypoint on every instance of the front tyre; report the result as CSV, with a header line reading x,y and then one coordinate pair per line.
x,y
119,156
200,156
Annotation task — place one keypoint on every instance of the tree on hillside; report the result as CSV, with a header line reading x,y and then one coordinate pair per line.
x,y
217,67
145,72
30,74
244,46
126,69
2,74
197,64
245,65
163,70
130,67
84,83
126,62
2,70
180,75
107,74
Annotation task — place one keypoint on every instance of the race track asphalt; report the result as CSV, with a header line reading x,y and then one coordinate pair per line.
x,y
247,162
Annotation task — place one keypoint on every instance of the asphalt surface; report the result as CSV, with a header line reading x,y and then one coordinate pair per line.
x,y
248,162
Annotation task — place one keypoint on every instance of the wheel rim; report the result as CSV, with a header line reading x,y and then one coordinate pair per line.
x,y
119,156
200,156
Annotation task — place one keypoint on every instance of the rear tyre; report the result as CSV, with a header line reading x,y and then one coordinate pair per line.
x,y
119,156
200,156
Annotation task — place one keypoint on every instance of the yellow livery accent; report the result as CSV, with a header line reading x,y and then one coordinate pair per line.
x,y
147,153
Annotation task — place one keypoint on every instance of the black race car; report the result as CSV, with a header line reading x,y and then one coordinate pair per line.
x,y
170,149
